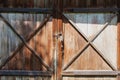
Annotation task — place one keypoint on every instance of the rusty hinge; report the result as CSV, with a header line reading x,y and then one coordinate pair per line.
x,y
60,37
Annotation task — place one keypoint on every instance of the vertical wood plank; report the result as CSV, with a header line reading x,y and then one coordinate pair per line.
x,y
18,27
4,40
49,43
101,3
18,78
54,30
11,19
118,39
26,52
60,37
36,63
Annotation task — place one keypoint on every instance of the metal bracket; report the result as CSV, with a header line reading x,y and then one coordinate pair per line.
x,y
60,37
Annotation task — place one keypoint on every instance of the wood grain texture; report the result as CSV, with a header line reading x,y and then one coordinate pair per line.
x,y
89,3
108,42
74,40
26,3
47,41
118,46
118,39
60,39
90,25
24,78
49,3
88,78
89,60
24,24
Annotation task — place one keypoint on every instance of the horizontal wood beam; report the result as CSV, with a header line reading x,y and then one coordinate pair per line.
x,y
91,10
24,73
65,10
91,73
26,10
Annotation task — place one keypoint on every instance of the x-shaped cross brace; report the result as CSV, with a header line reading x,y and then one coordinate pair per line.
x,y
25,42
73,59
90,42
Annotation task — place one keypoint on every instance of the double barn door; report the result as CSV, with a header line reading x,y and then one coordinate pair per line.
x,y
65,46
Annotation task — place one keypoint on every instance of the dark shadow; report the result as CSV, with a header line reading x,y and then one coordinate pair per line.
x,y
25,3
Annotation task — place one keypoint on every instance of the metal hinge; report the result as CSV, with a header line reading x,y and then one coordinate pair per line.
x,y
60,37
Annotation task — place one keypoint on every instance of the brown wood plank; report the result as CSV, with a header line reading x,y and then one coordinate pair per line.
x,y
49,43
36,65
118,33
57,42
118,39
55,30
60,38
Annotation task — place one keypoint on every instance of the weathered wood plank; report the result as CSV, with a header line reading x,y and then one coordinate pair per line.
x,y
24,73
89,78
118,42
73,42
60,42
89,3
91,73
104,40
25,3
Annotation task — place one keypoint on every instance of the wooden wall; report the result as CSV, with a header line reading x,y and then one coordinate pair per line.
x,y
89,3
66,3
42,43
26,3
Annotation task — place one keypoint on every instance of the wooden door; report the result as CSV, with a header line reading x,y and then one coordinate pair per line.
x,y
90,46
80,46
26,46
